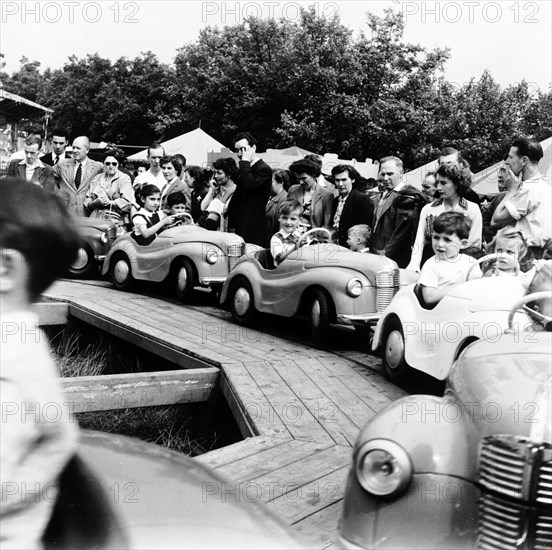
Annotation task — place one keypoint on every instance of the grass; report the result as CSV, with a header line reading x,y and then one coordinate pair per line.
x,y
169,426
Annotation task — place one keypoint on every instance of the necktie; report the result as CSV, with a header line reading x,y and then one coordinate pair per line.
x,y
56,160
78,176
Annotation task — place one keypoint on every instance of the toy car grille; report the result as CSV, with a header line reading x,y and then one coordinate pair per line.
x,y
515,507
235,252
387,285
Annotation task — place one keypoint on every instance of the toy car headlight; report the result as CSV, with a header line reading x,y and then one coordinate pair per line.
x,y
212,256
354,287
383,468
104,238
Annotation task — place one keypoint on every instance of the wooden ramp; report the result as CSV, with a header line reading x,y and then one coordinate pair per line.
x,y
299,409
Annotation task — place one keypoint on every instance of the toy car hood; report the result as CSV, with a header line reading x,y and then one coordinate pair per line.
x,y
194,233
167,500
490,293
331,255
488,374
101,225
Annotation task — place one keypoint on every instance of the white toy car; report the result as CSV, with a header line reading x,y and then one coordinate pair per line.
x,y
412,336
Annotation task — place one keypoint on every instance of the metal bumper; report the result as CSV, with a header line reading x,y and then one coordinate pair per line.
x,y
211,281
361,320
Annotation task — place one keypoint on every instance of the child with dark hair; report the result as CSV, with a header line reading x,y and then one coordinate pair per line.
x,y
449,267
176,204
38,242
149,220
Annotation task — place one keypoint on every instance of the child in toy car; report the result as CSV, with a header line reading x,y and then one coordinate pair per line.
x,y
149,220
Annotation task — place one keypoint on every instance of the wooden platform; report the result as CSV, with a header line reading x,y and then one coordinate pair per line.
x,y
299,408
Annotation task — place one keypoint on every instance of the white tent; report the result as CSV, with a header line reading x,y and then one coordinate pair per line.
x,y
416,177
485,182
194,145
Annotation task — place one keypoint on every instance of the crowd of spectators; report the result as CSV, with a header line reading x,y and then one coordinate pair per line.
x,y
245,197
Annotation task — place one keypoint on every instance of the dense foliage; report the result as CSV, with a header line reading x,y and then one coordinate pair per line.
x,y
309,83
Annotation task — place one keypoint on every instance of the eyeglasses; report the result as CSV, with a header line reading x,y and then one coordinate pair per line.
x,y
111,163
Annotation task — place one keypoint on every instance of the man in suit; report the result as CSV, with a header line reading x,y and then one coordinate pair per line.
x,y
351,207
316,201
246,210
397,214
74,175
31,168
60,140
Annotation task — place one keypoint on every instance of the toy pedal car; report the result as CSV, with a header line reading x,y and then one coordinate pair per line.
x,y
325,282
472,469
186,255
413,337
119,492
96,236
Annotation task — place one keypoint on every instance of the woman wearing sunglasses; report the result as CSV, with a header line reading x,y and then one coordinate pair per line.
x,y
110,195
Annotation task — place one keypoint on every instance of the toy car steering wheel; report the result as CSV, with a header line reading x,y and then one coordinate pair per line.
x,y
525,300
327,235
187,218
511,263
309,232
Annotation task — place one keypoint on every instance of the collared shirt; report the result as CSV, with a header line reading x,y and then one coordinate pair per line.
x,y
149,178
29,170
531,207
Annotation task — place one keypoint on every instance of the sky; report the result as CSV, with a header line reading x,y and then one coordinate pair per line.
x,y
510,38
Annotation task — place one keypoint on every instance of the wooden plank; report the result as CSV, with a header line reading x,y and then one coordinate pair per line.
x,y
241,343
341,428
348,400
254,466
301,480
148,389
141,335
177,330
293,413
51,313
250,404
321,529
308,499
237,451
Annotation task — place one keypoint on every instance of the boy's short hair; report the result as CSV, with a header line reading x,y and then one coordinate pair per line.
x,y
361,230
451,223
290,206
177,197
35,223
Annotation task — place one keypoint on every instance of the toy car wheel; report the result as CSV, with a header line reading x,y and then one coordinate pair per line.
x,y
120,272
320,316
84,263
395,367
184,280
242,303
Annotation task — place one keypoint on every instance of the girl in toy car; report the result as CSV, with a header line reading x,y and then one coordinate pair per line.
x,y
149,220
